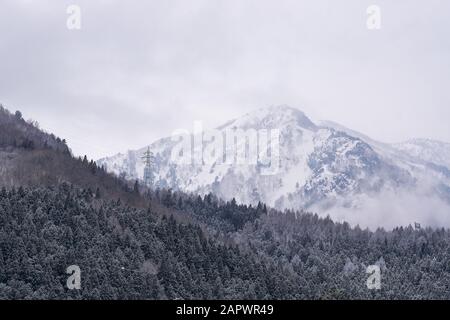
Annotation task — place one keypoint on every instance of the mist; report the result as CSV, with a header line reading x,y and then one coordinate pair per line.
x,y
390,209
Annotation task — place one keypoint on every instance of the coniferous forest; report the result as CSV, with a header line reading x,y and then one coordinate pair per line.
x,y
134,243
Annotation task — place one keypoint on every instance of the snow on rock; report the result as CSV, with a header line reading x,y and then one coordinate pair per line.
x,y
324,167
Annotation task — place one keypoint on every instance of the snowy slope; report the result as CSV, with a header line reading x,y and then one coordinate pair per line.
x,y
428,161
430,151
323,167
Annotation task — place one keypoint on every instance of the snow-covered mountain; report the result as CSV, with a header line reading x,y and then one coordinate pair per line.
x,y
322,166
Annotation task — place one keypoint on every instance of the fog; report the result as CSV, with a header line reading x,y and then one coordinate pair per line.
x,y
393,209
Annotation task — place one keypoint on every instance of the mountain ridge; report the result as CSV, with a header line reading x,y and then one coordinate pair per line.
x,y
322,167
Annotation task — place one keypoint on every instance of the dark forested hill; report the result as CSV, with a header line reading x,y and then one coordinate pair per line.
x,y
123,253
328,260
15,132
129,253
129,243
31,157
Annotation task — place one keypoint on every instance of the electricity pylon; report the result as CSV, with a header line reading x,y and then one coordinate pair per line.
x,y
148,161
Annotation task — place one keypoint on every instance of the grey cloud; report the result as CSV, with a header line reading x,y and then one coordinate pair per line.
x,y
138,70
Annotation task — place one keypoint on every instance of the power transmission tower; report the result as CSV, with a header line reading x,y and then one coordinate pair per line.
x,y
149,160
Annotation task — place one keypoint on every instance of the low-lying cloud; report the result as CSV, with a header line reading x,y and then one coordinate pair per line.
x,y
393,209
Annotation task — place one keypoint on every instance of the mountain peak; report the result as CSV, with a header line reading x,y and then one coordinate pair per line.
x,y
275,116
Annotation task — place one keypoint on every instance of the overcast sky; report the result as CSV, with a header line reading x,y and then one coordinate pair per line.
x,y
137,70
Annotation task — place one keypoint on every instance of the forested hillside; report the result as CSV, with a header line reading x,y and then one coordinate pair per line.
x,y
123,253
31,157
15,132
133,243
128,253
328,260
